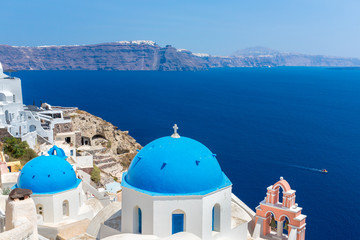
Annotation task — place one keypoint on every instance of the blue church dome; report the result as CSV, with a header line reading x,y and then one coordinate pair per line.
x,y
47,174
175,166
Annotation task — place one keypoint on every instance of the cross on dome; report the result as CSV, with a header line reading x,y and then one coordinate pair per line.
x,y
175,134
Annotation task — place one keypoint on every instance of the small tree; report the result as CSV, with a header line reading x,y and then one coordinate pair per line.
x,y
95,174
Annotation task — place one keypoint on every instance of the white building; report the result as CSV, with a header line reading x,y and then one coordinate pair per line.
x,y
12,115
27,122
175,184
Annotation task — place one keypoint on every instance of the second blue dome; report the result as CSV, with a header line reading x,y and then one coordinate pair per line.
x,y
47,174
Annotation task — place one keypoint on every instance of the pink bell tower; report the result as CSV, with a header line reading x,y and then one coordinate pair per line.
x,y
274,215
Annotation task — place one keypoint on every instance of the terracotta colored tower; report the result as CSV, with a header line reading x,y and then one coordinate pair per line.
x,y
279,217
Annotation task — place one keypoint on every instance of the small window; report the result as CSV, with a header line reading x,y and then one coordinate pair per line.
x,y
216,218
40,209
66,208
140,220
137,220
14,98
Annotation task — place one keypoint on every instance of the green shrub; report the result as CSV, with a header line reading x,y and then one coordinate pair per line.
x,y
14,147
28,155
6,191
18,150
95,174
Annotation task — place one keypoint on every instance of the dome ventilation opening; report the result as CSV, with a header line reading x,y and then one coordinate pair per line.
x,y
138,160
163,165
197,162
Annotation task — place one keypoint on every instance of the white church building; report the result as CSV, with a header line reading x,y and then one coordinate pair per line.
x,y
175,184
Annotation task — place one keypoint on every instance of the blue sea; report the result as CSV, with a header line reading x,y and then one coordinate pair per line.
x,y
262,123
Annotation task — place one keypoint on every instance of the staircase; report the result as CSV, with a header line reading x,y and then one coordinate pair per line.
x,y
107,164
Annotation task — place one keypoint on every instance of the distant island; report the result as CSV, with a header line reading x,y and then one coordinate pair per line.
x,y
147,55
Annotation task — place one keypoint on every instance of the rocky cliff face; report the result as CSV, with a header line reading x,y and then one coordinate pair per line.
x,y
146,55
111,148
107,56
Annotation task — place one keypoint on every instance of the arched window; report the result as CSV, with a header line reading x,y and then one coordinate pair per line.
x,y
137,220
7,117
216,218
281,194
32,128
273,223
65,208
285,221
178,221
40,209
2,97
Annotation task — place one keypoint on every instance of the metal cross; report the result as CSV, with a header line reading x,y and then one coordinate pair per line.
x,y
175,134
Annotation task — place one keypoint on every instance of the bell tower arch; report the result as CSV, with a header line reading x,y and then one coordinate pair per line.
x,y
280,216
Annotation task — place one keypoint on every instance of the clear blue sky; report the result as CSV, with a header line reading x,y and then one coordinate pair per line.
x,y
330,27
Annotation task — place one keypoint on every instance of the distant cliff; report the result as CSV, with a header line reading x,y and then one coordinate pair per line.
x,y
147,55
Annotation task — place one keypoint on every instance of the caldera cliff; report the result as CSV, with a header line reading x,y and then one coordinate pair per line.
x,y
147,55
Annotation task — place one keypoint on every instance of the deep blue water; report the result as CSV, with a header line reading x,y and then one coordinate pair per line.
x,y
261,123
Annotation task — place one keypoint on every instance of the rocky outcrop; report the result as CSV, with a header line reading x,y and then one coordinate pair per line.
x,y
147,55
111,148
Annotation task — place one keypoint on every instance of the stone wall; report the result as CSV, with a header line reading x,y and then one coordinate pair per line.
x,y
62,128
4,133
40,140
77,139
87,170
